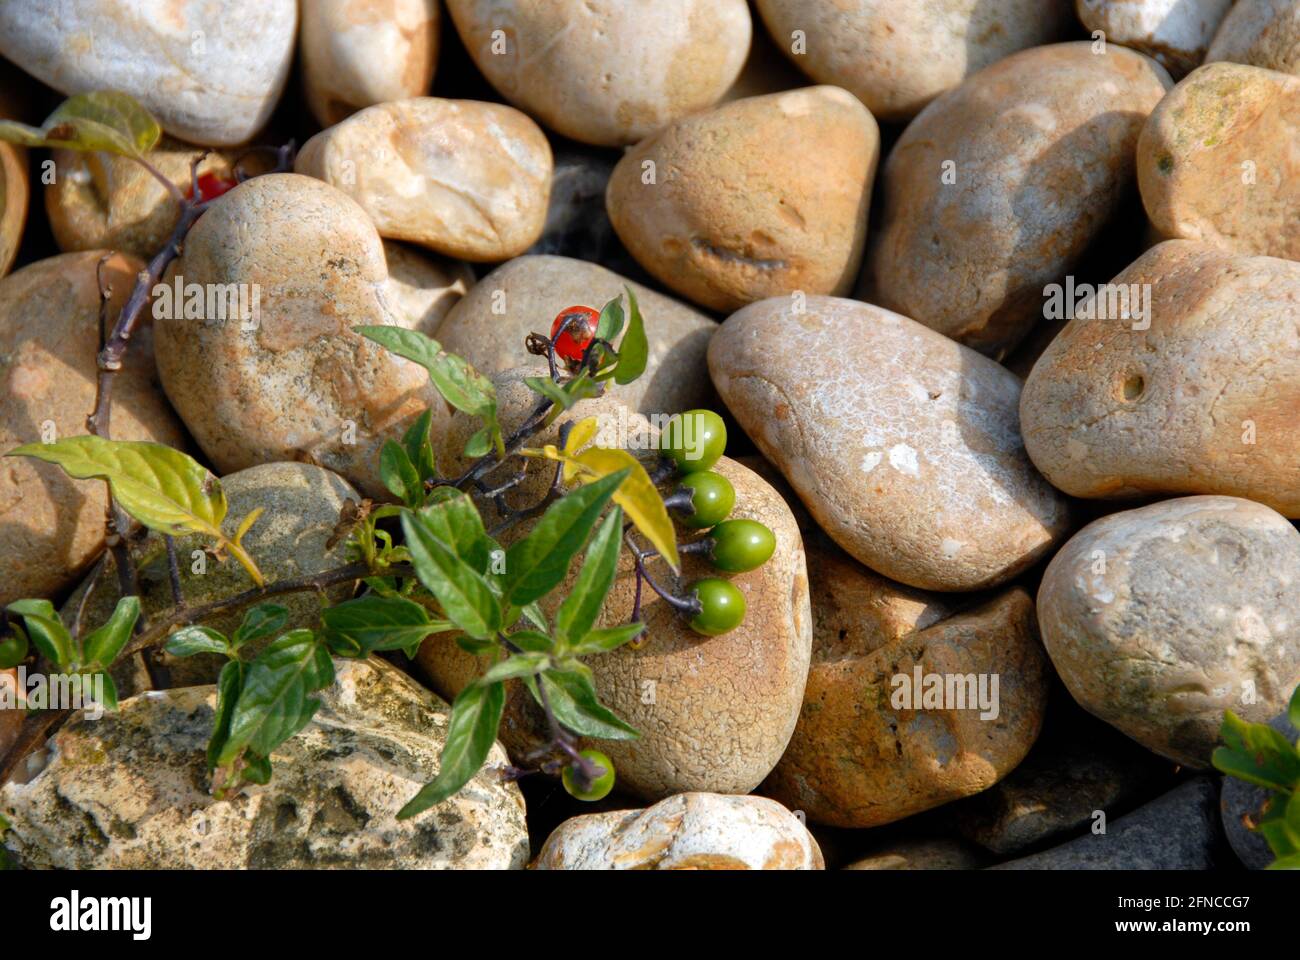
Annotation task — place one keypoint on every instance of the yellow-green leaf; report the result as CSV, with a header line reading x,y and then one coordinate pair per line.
x,y
580,434
161,487
636,495
101,120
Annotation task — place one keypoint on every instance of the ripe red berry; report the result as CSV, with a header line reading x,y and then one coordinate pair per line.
x,y
573,330
212,186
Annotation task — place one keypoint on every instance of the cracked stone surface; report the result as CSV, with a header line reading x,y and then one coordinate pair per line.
x,y
131,790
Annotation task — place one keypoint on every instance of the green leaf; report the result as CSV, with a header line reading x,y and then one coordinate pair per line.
x,y
578,612
565,395
399,475
471,733
573,700
188,641
463,592
513,667
103,645
46,631
161,487
108,697
1293,711
256,769
101,120
274,703
419,449
637,496
538,563
362,626
634,351
610,638
229,684
479,444
262,621
532,641
455,521
611,320
1291,862
1256,753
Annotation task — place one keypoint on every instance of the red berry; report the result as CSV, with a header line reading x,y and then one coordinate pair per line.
x,y
212,186
573,330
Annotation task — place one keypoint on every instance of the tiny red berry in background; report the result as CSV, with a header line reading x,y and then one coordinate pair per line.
x,y
212,186
581,323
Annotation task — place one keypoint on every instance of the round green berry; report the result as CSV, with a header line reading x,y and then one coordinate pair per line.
x,y
722,606
712,497
13,650
600,786
741,545
695,440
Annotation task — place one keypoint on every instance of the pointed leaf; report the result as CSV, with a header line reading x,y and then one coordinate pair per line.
x,y
464,594
46,631
399,475
471,733
634,351
636,495
419,449
373,623
610,638
578,612
192,640
575,704
611,320
103,645
262,621
513,667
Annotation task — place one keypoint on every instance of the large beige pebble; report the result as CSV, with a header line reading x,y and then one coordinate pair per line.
x,y
998,188
863,755
13,202
51,526
1261,33
490,325
696,733
211,74
1202,401
129,790
356,53
904,445
463,178
1217,161
422,288
99,201
759,197
690,831
1161,618
294,382
1174,32
293,537
898,55
607,72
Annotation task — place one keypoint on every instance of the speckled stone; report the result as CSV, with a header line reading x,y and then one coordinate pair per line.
x,y
689,831
1175,33
1000,186
606,72
356,53
1201,401
129,791
423,288
904,445
1178,831
491,324
461,177
1262,33
301,505
1161,618
99,201
294,383
209,76
52,526
1216,161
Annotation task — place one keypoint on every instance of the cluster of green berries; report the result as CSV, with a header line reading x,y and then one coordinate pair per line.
x,y
695,441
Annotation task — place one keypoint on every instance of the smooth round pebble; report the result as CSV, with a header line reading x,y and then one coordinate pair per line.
x,y
759,197
607,72
1161,618
1261,33
463,178
1175,33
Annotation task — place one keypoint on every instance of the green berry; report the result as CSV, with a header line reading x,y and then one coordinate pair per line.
x,y
722,606
13,650
741,545
600,787
712,496
695,440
